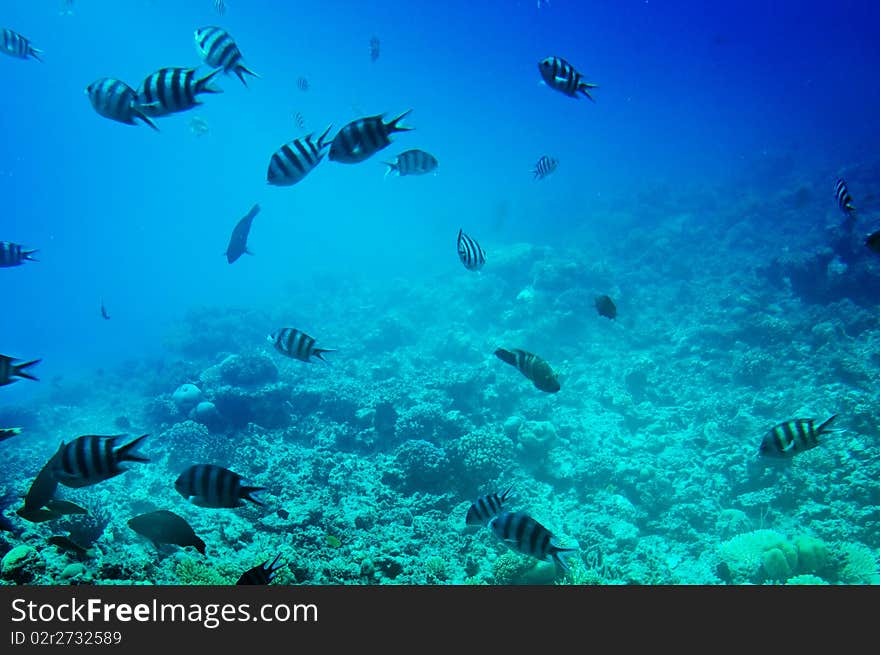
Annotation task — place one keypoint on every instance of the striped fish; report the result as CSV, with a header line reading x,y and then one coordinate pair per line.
x,y
789,438
293,161
170,90
93,458
297,344
15,45
8,433
844,199
209,485
220,6
412,162
470,253
13,254
544,167
10,371
363,138
117,101
260,574
562,76
219,50
484,508
525,535
533,367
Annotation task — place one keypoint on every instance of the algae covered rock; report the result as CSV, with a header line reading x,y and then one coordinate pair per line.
x,y
756,557
248,369
19,564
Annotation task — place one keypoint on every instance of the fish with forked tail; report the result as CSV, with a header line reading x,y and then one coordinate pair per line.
x,y
209,485
14,254
9,372
562,76
787,439
219,50
522,533
92,458
533,367
364,137
486,507
297,344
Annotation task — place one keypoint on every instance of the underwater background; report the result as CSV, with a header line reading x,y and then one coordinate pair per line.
x,y
697,191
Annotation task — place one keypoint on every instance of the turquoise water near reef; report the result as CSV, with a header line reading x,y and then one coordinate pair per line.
x,y
697,191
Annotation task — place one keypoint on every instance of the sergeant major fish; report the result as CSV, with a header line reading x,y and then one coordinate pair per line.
x,y
14,254
787,439
90,459
293,161
9,371
297,344
843,198
219,50
522,533
238,240
533,367
209,485
117,101
363,138
15,45
412,162
261,574
562,76
469,252
545,166
171,90
486,507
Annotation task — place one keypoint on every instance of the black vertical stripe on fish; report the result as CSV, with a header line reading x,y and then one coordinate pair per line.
x,y
293,161
533,367
412,162
9,372
469,252
16,45
209,485
14,254
171,90
238,240
843,197
545,166
364,137
117,101
558,74
90,459
296,344
522,533
219,50
787,439
262,574
484,508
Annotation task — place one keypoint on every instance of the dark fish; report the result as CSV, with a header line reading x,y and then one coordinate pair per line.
x,y
302,84
363,138
844,199
470,253
220,6
374,48
43,487
533,367
486,507
171,90
297,344
412,162
260,574
219,50
15,45
293,161
10,371
164,527
39,515
789,438
104,313
562,76
117,101
238,241
283,514
522,533
545,166
13,254
873,241
92,458
64,507
68,545
606,307
300,121
8,433
208,485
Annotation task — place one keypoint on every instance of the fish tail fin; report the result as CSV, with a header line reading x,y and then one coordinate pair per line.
x,y
391,168
146,119
319,352
321,138
506,356
823,426
28,254
394,127
247,491
18,369
242,70
584,87
35,53
126,454
204,85
561,555
506,493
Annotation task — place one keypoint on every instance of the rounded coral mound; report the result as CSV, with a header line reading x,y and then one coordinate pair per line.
x,y
481,456
422,466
